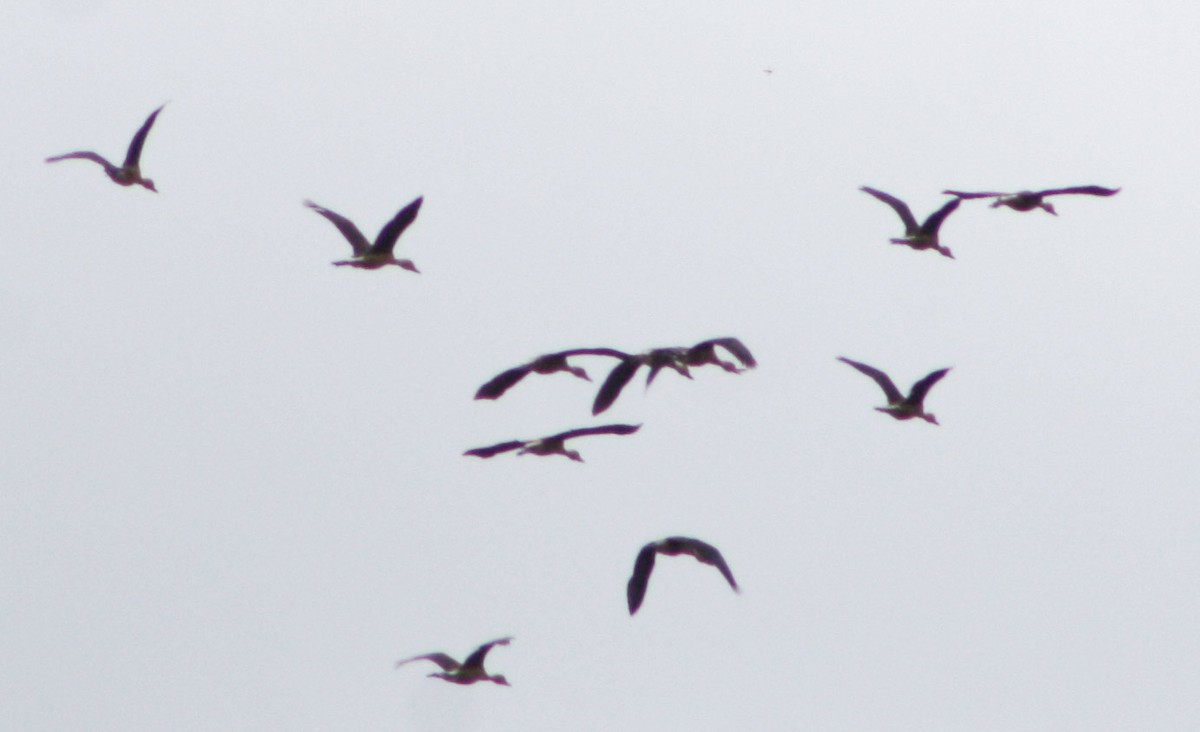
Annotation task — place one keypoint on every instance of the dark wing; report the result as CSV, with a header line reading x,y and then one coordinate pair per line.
x,y
893,394
616,381
441,659
735,347
594,352
916,395
392,230
487,452
475,660
134,153
635,591
502,382
1089,190
83,155
963,195
604,429
357,241
708,554
900,207
934,222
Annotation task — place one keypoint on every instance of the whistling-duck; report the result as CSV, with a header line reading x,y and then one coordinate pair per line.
x,y
463,673
553,445
674,546
1029,200
546,364
379,254
676,358
129,173
900,406
923,236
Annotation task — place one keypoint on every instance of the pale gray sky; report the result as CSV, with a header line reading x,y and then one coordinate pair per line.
x,y
233,491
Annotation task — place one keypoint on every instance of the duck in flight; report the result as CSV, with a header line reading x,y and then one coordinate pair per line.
x,y
379,254
128,173
676,358
918,236
900,406
553,445
673,546
546,364
1029,200
467,672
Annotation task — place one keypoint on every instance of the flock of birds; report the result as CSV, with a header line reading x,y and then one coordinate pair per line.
x,y
381,253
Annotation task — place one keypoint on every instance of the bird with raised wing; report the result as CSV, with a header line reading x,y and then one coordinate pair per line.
x,y
379,254
128,173
554,444
1029,200
673,546
917,236
678,359
467,672
899,405
549,363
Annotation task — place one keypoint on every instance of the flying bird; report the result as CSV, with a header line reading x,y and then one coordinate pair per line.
x,y
673,546
675,358
128,173
546,364
900,406
467,672
379,254
922,236
1029,200
553,445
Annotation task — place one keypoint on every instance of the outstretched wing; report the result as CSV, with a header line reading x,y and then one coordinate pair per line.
x,y
916,395
900,207
502,382
1089,190
964,195
635,591
475,660
604,429
134,153
594,352
487,452
616,381
447,663
893,394
84,155
934,222
358,242
734,346
391,231
708,554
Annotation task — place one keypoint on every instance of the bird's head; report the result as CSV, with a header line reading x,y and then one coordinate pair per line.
x,y
499,679
147,183
929,418
407,264
944,251
1047,208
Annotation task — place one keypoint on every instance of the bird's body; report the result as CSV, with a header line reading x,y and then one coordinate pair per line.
x,y
900,406
546,364
676,358
554,444
379,254
1029,200
129,172
918,236
705,553
467,672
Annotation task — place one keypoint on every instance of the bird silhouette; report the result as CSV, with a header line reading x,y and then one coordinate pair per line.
x,y
128,173
900,406
553,445
467,672
635,591
1029,200
379,254
679,359
917,236
546,364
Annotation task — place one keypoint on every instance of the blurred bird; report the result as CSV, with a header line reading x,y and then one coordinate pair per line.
x,y
463,673
678,359
900,406
547,364
673,546
1029,200
379,254
553,445
129,173
923,236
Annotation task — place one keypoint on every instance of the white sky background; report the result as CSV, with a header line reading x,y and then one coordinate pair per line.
x,y
233,490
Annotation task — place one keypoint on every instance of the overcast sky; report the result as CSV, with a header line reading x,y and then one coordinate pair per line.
x,y
232,490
